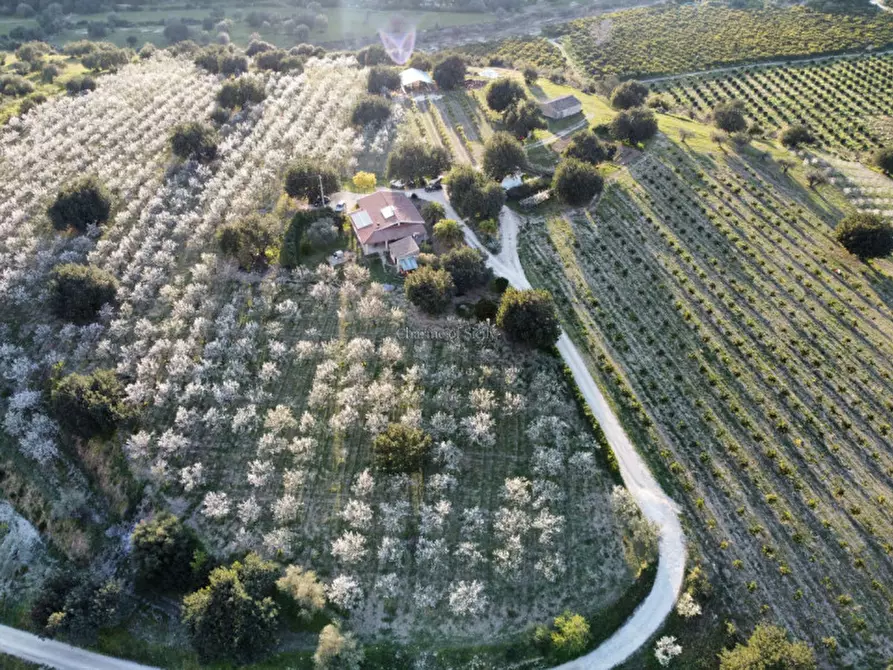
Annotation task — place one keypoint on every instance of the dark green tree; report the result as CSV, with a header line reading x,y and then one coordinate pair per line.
x,y
250,241
883,158
503,93
629,94
529,317
866,235
430,290
634,125
162,550
432,212
523,117
230,619
382,79
449,73
576,183
503,155
585,146
370,110
530,74
411,160
194,140
768,648
401,449
449,233
79,291
241,92
89,405
467,267
79,204
302,179
729,116
795,135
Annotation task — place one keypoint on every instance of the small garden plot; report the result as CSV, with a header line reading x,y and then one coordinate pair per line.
x,y
723,317
843,102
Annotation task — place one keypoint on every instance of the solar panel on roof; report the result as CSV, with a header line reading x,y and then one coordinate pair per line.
x,y
361,219
388,212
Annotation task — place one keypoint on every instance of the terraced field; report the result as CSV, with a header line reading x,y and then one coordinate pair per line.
x,y
709,288
846,103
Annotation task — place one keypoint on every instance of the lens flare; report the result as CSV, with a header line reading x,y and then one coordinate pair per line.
x,y
398,39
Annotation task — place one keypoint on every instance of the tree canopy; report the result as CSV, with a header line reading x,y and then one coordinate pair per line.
x,y
194,140
89,405
768,648
576,183
883,158
795,135
410,160
634,125
472,196
370,110
528,316
729,116
401,448
629,94
251,241
448,232
81,203
467,267
234,617
449,73
866,235
302,179
241,92
503,93
162,550
79,291
382,79
503,155
523,117
586,146
430,290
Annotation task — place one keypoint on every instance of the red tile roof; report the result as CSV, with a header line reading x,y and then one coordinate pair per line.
x,y
403,220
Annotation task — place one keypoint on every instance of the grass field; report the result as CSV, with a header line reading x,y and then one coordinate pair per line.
x,y
733,331
670,39
69,68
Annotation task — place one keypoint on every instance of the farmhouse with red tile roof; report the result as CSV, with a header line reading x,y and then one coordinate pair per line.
x,y
384,217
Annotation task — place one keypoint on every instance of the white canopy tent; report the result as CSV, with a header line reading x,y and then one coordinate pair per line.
x,y
413,77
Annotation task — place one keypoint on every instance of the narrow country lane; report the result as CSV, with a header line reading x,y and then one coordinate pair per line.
x,y
58,654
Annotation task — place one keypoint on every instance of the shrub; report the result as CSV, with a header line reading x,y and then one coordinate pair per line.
x,y
467,267
883,159
795,135
585,146
634,126
303,176
162,550
336,650
370,110
77,606
194,140
530,74
529,188
629,94
449,73
15,85
401,448
234,617
292,242
410,160
80,204
250,241
257,47
304,589
373,55
432,212
486,309
421,61
529,317
866,235
79,291
49,72
107,59
576,183
571,635
503,155
768,647
241,92
89,405
498,285
382,79
430,290
729,116
503,93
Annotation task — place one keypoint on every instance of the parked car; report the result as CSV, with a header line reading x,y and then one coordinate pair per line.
x,y
396,183
320,203
435,184
340,206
